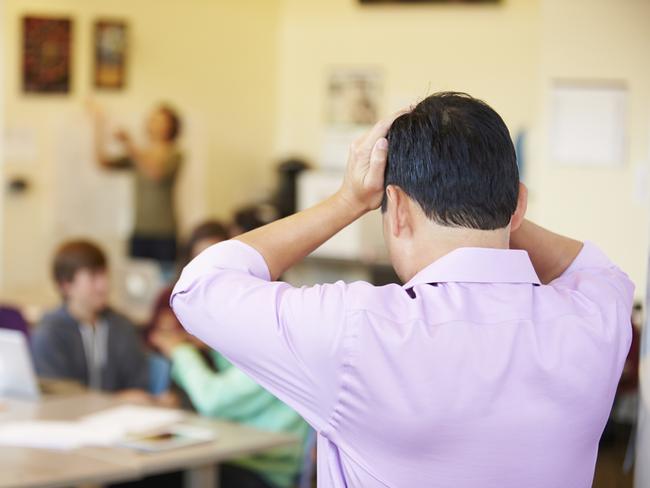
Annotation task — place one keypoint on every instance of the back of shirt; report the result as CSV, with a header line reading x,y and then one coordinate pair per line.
x,y
471,375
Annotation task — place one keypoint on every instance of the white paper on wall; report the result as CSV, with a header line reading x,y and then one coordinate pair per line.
x,y
361,240
588,124
20,144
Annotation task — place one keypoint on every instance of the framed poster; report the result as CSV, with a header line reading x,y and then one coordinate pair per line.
x,y
110,54
46,60
353,96
427,1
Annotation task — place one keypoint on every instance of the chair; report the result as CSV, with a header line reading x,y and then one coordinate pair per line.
x,y
12,319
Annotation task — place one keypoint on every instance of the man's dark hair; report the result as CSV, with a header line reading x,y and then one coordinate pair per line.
x,y
453,155
175,123
74,256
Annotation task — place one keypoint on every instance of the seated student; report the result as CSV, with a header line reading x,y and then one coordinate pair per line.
x,y
493,366
202,237
84,339
229,394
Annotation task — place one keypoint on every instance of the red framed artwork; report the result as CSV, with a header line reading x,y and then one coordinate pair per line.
x,y
47,54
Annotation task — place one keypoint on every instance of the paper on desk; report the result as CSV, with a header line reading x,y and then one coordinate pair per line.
x,y
42,434
99,429
131,419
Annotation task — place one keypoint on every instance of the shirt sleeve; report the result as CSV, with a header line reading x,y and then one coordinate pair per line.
x,y
228,394
596,277
292,341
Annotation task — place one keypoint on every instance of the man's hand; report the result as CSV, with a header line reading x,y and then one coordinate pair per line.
x,y
285,242
363,185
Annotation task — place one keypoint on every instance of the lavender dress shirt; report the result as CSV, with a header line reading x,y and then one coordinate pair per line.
x,y
470,375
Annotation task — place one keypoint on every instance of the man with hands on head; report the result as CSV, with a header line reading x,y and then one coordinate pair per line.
x,y
493,366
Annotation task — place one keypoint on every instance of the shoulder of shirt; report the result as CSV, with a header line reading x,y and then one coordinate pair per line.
x,y
386,300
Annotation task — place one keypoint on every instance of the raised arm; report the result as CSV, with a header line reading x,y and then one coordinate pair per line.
x,y
287,241
550,253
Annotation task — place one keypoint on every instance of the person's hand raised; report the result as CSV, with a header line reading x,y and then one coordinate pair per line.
x,y
363,185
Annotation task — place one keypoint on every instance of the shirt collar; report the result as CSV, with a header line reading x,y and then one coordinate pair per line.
x,y
478,265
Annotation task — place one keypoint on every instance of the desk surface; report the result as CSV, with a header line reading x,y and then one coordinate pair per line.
x,y
22,467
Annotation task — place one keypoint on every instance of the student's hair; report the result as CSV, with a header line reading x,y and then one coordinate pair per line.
x,y
210,229
175,123
251,217
453,155
73,256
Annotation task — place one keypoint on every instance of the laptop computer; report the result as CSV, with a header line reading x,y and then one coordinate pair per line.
x,y
17,376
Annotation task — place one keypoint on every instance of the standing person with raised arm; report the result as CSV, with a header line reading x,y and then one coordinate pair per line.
x,y
156,165
494,365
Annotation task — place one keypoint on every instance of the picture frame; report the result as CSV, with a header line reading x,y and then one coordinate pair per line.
x,y
46,54
110,53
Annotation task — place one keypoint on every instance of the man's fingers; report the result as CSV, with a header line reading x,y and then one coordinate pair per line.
x,y
379,130
374,179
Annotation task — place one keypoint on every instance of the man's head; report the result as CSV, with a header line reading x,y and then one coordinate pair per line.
x,y
81,276
451,171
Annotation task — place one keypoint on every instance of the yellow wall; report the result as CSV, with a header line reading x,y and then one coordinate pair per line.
x,y
215,61
254,72
507,55
601,40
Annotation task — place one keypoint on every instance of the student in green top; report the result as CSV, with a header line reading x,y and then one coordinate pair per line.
x,y
218,389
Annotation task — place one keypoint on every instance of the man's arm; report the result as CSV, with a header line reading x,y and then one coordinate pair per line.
x,y
550,253
289,240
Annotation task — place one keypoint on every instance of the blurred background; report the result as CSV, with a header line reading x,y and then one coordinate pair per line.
x,y
271,92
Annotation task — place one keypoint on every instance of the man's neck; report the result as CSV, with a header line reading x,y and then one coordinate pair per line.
x,y
436,241
84,315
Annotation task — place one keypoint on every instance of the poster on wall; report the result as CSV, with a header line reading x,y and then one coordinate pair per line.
x,y
353,96
110,54
588,123
47,54
353,102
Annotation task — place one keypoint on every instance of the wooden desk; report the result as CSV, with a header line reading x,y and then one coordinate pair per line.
x,y
27,468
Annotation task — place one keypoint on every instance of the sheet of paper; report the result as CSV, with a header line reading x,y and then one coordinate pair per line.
x,y
42,434
100,429
130,419
588,124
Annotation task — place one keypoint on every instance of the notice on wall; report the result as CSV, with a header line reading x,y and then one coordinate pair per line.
x,y
20,144
588,124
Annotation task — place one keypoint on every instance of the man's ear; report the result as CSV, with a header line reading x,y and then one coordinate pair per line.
x,y
398,211
520,212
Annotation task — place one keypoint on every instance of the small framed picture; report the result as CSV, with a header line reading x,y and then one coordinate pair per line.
x,y
47,53
110,54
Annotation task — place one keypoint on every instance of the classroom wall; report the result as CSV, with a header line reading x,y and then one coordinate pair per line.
x,y
252,74
506,54
604,40
215,61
